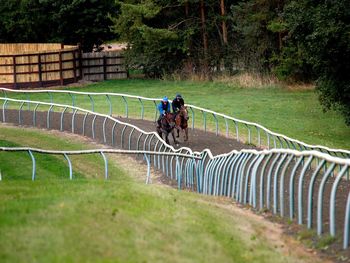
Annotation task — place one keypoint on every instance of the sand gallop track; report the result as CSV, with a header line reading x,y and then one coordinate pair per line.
x,y
198,139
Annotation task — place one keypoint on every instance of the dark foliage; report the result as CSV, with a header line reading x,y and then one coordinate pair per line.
x,y
302,40
322,33
70,22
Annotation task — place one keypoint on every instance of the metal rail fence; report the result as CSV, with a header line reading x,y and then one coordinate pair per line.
x,y
308,186
250,132
103,128
146,154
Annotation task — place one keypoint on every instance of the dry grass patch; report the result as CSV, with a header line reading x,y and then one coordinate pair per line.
x,y
248,80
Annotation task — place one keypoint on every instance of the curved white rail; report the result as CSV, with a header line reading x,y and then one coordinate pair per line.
x,y
108,117
226,117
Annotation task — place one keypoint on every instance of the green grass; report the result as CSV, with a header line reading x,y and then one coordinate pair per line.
x,y
120,220
296,114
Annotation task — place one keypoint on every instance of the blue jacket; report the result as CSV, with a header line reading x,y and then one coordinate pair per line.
x,y
163,107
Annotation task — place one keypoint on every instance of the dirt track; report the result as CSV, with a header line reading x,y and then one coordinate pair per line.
x,y
198,139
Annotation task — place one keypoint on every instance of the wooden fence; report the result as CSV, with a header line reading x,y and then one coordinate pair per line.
x,y
44,65
38,65
103,66
23,48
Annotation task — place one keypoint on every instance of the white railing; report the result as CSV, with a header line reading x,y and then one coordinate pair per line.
x,y
243,130
102,152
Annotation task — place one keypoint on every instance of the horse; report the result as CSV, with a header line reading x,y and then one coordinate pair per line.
x,y
181,120
167,125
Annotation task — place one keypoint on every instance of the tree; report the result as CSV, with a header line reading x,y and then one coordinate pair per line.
x,y
257,43
86,22
151,29
322,34
186,36
24,21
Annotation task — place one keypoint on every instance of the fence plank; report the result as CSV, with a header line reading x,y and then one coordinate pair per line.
x,y
103,66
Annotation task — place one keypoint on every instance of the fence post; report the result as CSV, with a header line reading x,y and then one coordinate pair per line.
x,y
332,213
346,224
80,59
34,166
148,178
34,114
104,67
40,71
4,110
70,166
62,115
320,198
178,173
74,67
106,165
61,67
14,72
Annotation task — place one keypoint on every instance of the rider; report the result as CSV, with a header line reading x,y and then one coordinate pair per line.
x,y
178,101
164,108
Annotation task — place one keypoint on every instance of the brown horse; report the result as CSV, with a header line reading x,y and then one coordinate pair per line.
x,y
167,125
181,120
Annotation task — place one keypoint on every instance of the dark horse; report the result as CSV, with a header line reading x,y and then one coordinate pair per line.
x,y
181,120
167,124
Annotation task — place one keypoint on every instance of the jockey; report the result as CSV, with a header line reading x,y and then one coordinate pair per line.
x,y
164,108
178,101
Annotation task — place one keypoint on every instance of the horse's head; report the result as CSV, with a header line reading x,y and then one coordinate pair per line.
x,y
170,119
184,112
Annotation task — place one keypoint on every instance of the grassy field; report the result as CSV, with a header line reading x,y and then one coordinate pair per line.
x,y
120,220
295,113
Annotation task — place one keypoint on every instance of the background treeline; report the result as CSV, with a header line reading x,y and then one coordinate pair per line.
x,y
295,40
302,40
86,22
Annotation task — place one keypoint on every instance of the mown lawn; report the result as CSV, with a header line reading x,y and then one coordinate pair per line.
x,y
296,114
121,220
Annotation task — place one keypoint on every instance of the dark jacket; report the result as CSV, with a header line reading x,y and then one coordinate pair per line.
x,y
177,103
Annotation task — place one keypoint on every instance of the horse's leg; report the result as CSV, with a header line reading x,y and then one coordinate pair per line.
x,y
173,134
186,134
166,137
177,126
159,131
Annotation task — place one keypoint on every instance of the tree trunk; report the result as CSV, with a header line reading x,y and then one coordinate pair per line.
x,y
188,64
205,39
223,24
280,5
187,7
204,29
